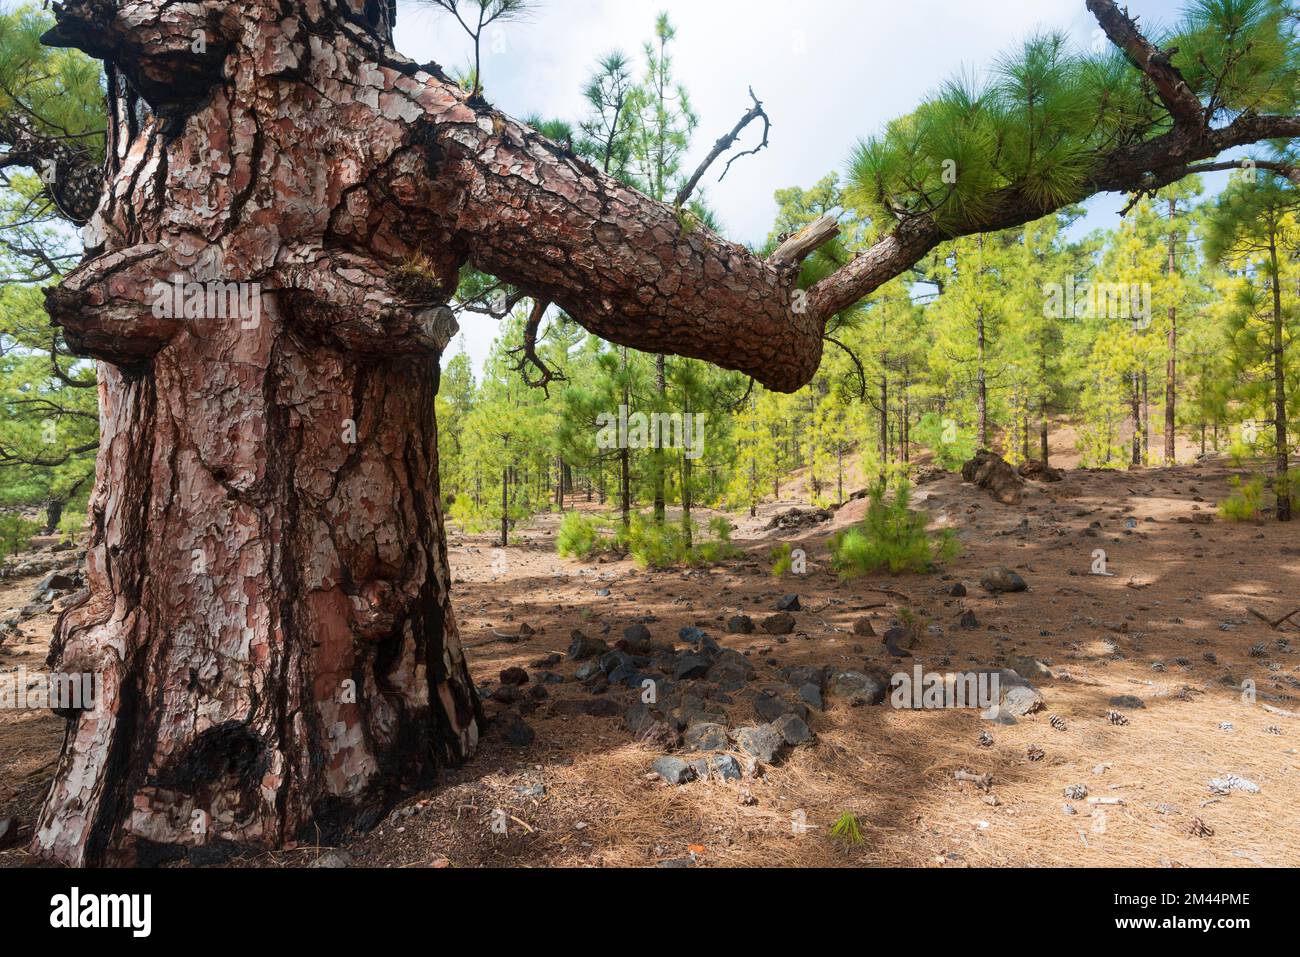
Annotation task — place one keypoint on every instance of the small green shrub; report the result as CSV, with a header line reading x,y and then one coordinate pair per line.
x,y
665,546
1239,452
72,524
893,537
1244,504
15,533
654,545
581,536
952,447
846,830
716,549
782,560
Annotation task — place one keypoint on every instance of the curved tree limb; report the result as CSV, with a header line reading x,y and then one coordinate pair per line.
x,y
528,356
857,363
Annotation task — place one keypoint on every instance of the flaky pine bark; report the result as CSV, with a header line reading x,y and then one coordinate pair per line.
x,y
269,601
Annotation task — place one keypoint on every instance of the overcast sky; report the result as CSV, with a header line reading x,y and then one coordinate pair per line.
x,y
827,71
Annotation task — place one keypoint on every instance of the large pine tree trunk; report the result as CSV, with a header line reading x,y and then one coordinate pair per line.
x,y
271,613
269,607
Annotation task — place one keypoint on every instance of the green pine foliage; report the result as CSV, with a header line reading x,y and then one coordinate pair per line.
x,y
49,419
1246,502
15,533
582,536
892,538
846,830
782,560
952,446
675,544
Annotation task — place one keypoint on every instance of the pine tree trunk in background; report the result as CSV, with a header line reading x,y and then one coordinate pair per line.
x,y
657,456
505,508
1135,400
884,423
907,423
625,455
981,381
1171,347
687,531
53,515
839,495
1282,480
1146,419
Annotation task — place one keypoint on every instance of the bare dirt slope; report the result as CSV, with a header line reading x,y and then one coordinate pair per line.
x,y
1171,628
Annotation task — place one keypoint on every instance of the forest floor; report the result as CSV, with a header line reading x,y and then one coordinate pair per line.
x,y
1171,628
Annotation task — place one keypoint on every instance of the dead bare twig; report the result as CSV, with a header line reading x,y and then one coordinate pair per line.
x,y
1275,625
724,144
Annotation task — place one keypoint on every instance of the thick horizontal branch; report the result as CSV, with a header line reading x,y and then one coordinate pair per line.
x,y
626,267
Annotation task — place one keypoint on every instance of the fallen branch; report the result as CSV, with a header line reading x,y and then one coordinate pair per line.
x,y
1275,625
982,781
496,639
891,593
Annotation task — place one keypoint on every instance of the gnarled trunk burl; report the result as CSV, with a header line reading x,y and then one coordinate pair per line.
x,y
269,605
